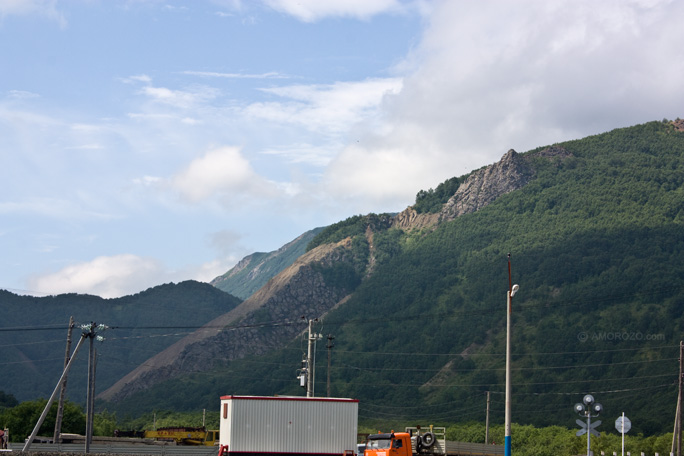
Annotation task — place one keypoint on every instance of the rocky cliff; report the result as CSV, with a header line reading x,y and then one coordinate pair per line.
x,y
481,188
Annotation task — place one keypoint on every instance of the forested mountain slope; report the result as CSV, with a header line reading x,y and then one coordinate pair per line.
x,y
33,333
595,233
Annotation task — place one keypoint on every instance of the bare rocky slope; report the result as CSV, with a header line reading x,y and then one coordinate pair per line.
x,y
253,271
304,290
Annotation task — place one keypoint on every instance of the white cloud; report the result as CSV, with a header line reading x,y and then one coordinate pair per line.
x,y
313,10
213,74
22,94
220,172
488,76
148,181
47,8
523,72
125,274
331,108
145,79
104,276
54,208
301,153
180,98
121,275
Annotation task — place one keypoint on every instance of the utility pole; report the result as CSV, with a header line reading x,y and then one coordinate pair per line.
x,y
512,289
679,404
90,412
329,346
60,407
90,400
676,422
29,441
309,361
487,422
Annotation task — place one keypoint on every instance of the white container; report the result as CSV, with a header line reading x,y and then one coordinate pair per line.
x,y
287,424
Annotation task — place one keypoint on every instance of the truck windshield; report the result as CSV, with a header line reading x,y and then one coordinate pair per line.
x,y
379,444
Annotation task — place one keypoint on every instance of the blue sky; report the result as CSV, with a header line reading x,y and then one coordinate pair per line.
x,y
145,142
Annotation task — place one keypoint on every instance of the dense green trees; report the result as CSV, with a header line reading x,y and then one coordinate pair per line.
x,y
7,400
350,228
432,200
22,418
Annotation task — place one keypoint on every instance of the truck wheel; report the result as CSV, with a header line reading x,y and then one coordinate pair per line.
x,y
427,439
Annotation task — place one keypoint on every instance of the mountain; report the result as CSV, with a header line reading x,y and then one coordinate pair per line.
x,y
33,334
253,271
249,328
415,301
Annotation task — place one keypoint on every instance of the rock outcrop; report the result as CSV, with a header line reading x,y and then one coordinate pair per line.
x,y
486,185
481,188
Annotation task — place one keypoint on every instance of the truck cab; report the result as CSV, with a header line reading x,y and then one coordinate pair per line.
x,y
413,441
392,444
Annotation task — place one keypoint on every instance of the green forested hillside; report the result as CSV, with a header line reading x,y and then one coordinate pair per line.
x,y
33,333
596,243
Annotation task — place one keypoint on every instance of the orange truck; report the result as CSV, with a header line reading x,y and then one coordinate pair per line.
x,y
415,441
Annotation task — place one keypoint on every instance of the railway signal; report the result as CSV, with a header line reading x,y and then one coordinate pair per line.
x,y
588,409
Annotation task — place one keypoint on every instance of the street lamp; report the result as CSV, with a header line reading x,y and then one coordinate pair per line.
x,y
512,290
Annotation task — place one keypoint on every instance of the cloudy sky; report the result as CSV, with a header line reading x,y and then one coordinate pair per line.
x,y
149,141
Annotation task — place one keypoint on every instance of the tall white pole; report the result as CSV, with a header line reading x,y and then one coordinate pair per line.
x,y
507,435
588,432
623,433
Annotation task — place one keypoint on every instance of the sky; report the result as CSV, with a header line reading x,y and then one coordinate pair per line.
x,y
144,142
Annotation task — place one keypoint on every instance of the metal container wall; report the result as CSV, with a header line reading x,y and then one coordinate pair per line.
x,y
288,424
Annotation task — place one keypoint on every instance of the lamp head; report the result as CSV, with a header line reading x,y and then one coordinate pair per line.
x,y
514,289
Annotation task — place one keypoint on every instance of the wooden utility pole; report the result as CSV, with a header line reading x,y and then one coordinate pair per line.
x,y
91,389
679,402
62,393
29,440
674,431
487,422
329,347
